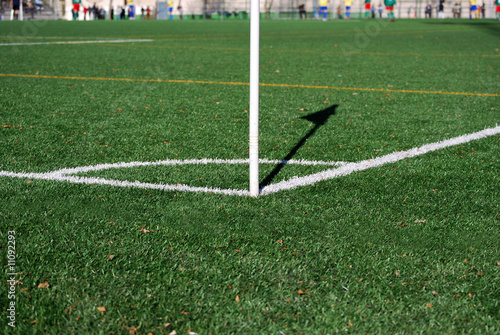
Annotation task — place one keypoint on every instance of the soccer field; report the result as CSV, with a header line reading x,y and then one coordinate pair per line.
x,y
124,178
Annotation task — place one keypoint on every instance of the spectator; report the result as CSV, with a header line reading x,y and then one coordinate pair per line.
x,y
428,11
483,10
339,12
457,8
373,12
148,13
30,9
39,5
302,11
93,12
181,12
497,9
441,9
380,10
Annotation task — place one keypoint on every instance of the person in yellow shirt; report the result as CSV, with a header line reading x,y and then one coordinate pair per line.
x,y
170,6
131,10
473,10
323,8
348,4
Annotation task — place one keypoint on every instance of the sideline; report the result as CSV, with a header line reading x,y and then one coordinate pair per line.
x,y
179,81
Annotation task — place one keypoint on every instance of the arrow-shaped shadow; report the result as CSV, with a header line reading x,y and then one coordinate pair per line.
x,y
319,119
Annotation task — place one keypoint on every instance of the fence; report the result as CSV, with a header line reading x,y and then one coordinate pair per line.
x,y
270,9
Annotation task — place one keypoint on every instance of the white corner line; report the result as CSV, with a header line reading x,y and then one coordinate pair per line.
x,y
343,169
375,162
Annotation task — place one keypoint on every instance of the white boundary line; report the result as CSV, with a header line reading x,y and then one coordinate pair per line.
x,y
344,169
73,42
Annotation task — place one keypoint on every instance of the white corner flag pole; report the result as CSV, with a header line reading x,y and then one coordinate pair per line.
x,y
254,96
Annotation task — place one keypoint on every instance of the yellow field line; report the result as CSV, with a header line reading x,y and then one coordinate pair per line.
x,y
247,84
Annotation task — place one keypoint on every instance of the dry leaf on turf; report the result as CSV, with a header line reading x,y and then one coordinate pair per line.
x,y
132,329
43,285
101,309
146,230
237,299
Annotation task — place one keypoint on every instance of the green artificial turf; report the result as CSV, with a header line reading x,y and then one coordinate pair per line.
x,y
404,248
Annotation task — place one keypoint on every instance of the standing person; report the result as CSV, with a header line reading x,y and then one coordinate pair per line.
x,y
170,6
93,12
367,8
323,8
131,10
441,9
373,12
428,11
473,10
455,10
483,10
76,9
339,12
302,11
389,7
14,4
380,10
39,5
181,12
348,4
497,9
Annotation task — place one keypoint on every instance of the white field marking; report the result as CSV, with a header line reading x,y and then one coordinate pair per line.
x,y
203,161
349,168
73,42
344,169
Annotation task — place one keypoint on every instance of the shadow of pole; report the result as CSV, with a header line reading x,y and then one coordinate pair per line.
x,y
319,119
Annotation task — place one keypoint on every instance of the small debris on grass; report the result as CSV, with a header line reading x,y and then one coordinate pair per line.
x,y
146,230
